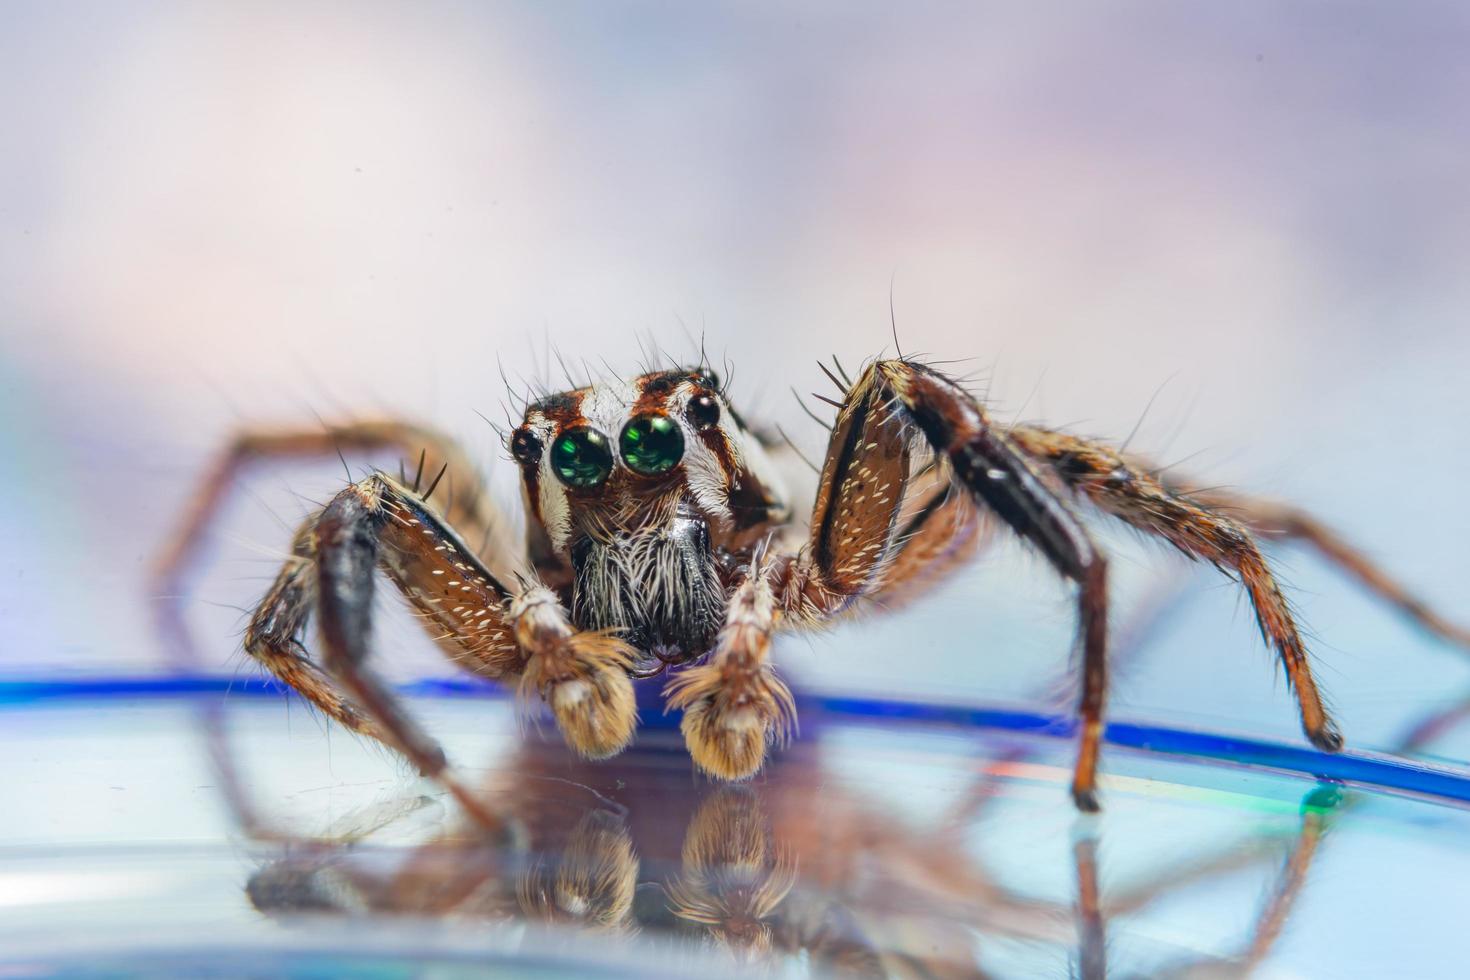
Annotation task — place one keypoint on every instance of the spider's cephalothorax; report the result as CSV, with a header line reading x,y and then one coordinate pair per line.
x,y
639,493
658,536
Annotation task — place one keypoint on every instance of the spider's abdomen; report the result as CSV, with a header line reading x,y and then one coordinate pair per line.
x,y
660,587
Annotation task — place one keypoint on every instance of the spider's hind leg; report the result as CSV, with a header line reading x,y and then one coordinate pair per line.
x,y
1277,521
468,508
1127,491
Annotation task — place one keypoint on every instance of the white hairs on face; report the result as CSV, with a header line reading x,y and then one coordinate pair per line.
x,y
651,580
551,499
704,475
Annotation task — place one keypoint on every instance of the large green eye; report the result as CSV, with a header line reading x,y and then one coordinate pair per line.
x,y
581,458
651,444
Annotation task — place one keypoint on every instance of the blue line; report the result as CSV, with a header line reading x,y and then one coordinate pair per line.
x,y
1387,772
1374,769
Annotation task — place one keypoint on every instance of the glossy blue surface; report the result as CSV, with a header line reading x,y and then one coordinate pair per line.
x,y
1382,772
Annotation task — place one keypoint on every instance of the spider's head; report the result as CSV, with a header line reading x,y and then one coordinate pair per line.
x,y
622,456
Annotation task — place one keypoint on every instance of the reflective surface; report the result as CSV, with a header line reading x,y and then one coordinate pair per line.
x,y
870,847
1237,232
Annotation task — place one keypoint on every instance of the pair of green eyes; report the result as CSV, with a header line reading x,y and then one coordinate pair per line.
x,y
650,445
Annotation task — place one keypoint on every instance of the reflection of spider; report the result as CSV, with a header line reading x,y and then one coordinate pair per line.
x,y
658,536
801,868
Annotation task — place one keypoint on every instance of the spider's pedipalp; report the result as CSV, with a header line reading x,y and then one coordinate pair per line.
x,y
735,705
583,677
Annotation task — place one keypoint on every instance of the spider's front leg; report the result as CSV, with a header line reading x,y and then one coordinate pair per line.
x,y
734,704
855,537
381,524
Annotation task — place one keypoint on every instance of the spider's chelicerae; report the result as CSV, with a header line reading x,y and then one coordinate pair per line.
x,y
659,538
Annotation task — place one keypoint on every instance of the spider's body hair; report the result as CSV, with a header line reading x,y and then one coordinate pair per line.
x,y
643,555
659,587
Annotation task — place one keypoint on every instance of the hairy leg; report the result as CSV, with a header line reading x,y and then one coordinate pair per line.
x,y
379,524
1276,521
433,454
1124,489
938,531
273,638
865,480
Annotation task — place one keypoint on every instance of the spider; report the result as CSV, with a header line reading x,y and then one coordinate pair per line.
x,y
659,538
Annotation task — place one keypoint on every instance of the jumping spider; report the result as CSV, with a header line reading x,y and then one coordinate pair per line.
x,y
659,538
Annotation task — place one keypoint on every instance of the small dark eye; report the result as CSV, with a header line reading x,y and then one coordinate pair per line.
x,y
704,412
651,444
581,458
525,447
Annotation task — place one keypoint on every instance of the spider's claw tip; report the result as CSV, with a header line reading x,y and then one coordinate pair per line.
x,y
1086,799
1327,738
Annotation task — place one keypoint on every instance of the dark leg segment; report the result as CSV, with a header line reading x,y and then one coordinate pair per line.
x,y
986,463
347,555
272,639
864,483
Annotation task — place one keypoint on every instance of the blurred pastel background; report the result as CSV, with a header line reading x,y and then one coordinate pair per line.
x,y
1255,216
1258,217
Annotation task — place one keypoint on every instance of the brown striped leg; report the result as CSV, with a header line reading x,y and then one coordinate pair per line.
x,y
483,626
273,639
348,536
379,524
1126,490
939,531
865,480
1275,521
